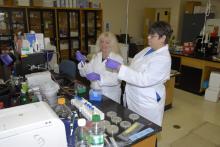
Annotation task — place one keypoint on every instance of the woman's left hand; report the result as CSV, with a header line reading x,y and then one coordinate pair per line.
x,y
112,64
93,76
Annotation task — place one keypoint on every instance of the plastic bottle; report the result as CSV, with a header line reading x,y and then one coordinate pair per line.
x,y
81,134
24,98
96,133
62,110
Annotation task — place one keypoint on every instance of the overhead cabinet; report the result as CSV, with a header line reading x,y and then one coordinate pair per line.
x,y
68,32
13,20
92,27
43,21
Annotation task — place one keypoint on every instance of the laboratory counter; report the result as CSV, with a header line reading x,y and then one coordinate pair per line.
x,y
106,105
195,71
209,58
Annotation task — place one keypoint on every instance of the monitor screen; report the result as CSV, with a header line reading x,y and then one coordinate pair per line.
x,y
31,63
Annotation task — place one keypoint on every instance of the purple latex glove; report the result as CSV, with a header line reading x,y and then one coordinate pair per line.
x,y
6,59
93,76
80,57
112,64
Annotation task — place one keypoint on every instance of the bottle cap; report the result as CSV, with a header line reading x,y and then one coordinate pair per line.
x,y
1,105
81,122
61,100
96,118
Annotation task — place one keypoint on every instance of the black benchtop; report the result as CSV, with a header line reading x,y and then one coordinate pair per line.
x,y
109,105
209,58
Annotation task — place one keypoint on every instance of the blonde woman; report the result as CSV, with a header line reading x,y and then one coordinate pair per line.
x,y
95,71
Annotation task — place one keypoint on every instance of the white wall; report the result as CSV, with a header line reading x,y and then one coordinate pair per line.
x,y
114,12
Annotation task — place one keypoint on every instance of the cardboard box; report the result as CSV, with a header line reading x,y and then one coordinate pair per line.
x,y
23,2
39,3
189,7
48,3
212,95
1,2
8,2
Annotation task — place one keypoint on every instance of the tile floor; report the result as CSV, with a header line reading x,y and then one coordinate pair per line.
x,y
191,112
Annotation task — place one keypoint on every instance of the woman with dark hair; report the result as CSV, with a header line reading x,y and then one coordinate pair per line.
x,y
145,77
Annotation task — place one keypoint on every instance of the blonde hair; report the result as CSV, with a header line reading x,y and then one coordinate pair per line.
x,y
114,45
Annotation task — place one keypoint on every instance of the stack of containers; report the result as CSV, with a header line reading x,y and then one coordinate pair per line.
x,y
188,48
213,92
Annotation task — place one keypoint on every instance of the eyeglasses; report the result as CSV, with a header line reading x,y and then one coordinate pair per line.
x,y
152,36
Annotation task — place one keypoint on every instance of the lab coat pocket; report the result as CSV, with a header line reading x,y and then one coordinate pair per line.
x,y
158,97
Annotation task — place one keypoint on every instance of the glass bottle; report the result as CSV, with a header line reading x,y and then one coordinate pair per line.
x,y
62,110
96,133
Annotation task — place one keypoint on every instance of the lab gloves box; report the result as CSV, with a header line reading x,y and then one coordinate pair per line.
x,y
212,95
214,80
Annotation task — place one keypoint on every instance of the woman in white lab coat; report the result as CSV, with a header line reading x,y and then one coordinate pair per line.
x,y
95,71
146,75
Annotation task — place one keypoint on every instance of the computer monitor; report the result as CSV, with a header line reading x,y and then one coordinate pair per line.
x,y
31,63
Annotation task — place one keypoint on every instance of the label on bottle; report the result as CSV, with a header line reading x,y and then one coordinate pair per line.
x,y
96,140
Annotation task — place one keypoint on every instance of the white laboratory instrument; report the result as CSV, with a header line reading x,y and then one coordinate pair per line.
x,y
31,125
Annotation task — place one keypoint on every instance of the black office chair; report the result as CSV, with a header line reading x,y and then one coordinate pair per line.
x,y
68,68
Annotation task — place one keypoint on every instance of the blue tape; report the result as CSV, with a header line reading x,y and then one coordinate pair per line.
x,y
141,134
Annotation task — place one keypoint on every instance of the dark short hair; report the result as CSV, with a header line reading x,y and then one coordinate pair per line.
x,y
161,28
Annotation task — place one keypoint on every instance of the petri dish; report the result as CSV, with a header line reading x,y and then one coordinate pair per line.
x,y
112,130
134,116
105,123
111,114
125,124
116,119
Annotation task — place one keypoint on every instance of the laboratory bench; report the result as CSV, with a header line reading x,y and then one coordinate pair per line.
x,y
195,71
107,105
148,140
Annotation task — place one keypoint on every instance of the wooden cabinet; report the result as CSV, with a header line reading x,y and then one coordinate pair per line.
x,y
68,32
91,28
13,21
194,72
69,29
43,21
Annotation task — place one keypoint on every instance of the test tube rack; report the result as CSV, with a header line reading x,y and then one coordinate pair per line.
x,y
86,108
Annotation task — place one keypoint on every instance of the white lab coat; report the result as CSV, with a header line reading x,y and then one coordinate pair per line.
x,y
144,78
109,83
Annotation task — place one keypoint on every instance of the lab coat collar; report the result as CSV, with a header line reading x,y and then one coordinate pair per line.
x,y
162,49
